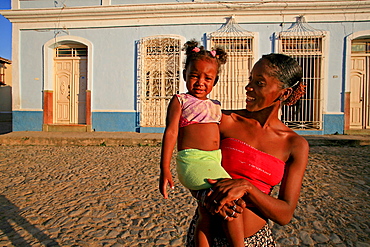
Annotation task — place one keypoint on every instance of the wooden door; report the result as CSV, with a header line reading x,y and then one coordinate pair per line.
x,y
359,99
63,80
70,91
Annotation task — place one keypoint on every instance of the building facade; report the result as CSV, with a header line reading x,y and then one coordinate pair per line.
x,y
110,65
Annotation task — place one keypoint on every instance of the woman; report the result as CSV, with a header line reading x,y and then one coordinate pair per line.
x,y
259,151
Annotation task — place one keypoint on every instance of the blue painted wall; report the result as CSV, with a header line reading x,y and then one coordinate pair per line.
x,y
27,120
333,124
114,72
114,121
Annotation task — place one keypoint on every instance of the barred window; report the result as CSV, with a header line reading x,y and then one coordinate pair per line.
x,y
360,46
158,77
239,45
305,44
70,51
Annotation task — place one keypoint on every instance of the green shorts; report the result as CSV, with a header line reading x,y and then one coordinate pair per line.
x,y
195,166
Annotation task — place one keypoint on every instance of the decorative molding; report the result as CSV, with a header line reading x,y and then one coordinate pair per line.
x,y
301,28
49,47
190,13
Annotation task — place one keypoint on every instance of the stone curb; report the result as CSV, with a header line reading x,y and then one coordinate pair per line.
x,y
81,139
133,138
338,140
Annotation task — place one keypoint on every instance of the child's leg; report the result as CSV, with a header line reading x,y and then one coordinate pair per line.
x,y
203,233
234,231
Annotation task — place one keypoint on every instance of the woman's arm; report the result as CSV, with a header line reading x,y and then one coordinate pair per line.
x,y
168,144
281,209
278,209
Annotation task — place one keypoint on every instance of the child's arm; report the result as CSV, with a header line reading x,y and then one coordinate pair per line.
x,y
168,144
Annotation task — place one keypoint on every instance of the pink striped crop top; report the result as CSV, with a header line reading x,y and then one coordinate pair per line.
x,y
195,110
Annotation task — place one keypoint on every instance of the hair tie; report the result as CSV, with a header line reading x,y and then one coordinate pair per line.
x,y
213,53
295,84
196,49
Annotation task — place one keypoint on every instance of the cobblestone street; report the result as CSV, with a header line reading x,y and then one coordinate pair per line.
x,y
108,196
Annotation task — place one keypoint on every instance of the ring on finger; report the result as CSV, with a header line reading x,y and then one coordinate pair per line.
x,y
232,215
233,208
226,217
215,201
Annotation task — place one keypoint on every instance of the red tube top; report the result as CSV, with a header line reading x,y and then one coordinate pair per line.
x,y
241,160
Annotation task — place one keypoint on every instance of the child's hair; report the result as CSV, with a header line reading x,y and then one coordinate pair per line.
x,y
193,53
289,73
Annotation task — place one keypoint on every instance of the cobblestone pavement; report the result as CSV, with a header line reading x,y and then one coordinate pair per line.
x,y
107,196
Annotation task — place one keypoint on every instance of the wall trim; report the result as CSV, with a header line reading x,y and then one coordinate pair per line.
x,y
189,13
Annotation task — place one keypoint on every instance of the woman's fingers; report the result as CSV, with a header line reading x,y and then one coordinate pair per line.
x,y
240,203
228,213
234,207
212,202
225,191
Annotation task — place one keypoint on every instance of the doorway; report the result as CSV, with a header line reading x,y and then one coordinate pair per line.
x,y
70,67
360,85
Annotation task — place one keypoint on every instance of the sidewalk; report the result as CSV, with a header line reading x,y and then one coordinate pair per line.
x,y
80,138
133,138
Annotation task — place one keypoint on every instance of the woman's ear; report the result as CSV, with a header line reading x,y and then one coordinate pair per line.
x,y
216,80
287,92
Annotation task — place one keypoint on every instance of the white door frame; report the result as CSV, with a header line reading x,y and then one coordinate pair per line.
x,y
49,54
349,39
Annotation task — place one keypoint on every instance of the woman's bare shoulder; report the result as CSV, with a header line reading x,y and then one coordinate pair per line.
x,y
291,138
296,139
298,144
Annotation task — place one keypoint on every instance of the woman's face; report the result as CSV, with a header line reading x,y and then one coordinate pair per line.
x,y
262,90
201,76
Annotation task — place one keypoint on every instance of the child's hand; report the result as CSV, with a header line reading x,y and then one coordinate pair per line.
x,y
164,180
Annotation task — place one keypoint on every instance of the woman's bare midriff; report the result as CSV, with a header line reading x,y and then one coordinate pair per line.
x,y
204,136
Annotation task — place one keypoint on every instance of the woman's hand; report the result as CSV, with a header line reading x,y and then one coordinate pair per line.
x,y
232,209
224,192
228,212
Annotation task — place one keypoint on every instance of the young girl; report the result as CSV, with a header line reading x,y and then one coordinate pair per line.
x,y
192,120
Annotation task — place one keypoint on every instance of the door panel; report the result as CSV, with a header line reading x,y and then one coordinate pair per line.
x,y
62,91
359,99
366,101
356,100
80,80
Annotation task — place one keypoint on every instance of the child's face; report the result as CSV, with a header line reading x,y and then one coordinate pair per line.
x,y
200,77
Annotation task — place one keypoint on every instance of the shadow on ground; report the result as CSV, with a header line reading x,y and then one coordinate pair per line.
x,y
11,220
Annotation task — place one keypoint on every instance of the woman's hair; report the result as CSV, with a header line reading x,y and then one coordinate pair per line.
x,y
193,53
289,73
